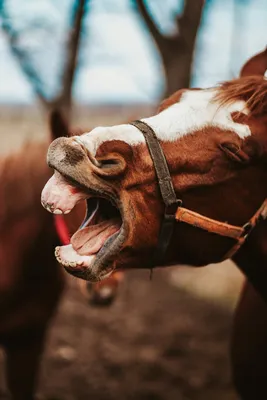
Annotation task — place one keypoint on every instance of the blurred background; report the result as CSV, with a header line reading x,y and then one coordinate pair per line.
x,y
103,62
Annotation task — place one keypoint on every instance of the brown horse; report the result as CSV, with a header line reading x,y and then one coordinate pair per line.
x,y
185,186
31,281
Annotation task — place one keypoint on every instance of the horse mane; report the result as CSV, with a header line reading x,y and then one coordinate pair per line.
x,y
251,89
22,175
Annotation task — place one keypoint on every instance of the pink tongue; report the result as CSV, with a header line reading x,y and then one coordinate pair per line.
x,y
89,240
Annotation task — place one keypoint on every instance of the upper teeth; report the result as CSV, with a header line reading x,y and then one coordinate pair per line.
x,y
57,211
49,207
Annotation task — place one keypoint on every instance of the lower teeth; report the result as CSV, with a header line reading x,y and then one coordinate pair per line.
x,y
71,264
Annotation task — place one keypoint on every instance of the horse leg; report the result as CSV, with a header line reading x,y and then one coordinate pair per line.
x,y
102,293
23,354
249,346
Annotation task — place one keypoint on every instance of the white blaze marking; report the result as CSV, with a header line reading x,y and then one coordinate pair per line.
x,y
195,110
126,133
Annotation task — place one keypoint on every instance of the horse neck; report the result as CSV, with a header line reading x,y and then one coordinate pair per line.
x,y
251,259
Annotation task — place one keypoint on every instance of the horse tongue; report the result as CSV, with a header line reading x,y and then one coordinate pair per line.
x,y
89,240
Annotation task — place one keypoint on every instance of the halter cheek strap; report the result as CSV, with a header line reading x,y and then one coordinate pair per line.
x,y
166,189
175,212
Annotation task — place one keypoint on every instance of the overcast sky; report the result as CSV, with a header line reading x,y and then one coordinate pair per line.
x,y
119,62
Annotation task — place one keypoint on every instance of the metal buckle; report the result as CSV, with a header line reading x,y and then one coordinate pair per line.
x,y
170,210
166,231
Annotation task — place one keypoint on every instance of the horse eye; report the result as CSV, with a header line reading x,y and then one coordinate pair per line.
x,y
108,163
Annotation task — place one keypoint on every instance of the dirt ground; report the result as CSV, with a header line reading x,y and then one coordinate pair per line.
x,y
163,339
159,341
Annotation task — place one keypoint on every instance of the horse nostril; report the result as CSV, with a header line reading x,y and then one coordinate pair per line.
x,y
78,141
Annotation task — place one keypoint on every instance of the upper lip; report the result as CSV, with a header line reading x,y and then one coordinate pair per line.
x,y
92,192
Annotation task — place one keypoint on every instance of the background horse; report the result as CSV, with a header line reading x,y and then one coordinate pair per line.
x,y
214,141
30,284
31,281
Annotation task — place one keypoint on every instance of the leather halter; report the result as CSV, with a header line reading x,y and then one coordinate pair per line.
x,y
175,212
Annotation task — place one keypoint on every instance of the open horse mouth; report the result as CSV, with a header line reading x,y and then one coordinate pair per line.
x,y
89,254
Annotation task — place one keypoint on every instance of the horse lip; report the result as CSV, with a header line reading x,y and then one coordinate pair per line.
x,y
88,274
99,270
59,151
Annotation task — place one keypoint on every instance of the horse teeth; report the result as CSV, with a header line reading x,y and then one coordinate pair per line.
x,y
71,264
67,212
49,208
57,211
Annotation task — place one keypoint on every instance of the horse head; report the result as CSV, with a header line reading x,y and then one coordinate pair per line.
x,y
104,292
214,143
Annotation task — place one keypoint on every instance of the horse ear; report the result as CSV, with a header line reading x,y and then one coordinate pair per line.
x,y
58,124
257,65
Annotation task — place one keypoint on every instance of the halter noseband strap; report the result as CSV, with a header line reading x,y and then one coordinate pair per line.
x,y
173,206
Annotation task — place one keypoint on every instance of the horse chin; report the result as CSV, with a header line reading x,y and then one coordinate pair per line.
x,y
86,268
94,267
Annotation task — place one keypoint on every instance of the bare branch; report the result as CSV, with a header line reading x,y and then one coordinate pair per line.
x,y
22,58
176,50
63,99
189,21
158,37
72,50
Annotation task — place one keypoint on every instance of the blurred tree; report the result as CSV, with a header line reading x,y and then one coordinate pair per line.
x,y
20,37
176,50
